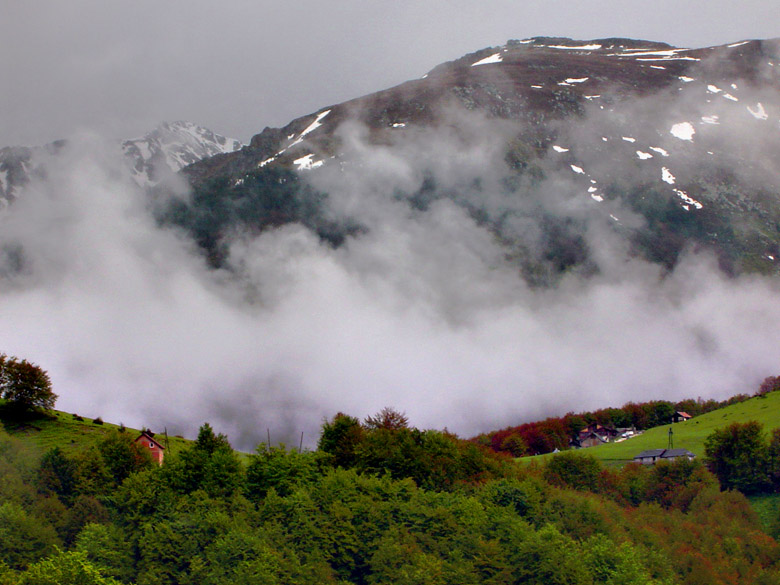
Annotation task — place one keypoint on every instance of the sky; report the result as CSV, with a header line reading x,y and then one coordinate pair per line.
x,y
120,68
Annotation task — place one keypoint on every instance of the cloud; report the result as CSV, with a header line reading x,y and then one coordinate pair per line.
x,y
424,310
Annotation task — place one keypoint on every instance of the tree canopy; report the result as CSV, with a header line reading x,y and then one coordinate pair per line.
x,y
25,385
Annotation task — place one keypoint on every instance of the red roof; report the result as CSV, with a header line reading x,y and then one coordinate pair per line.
x,y
149,437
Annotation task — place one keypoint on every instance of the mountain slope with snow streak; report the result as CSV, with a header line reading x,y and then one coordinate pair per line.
x,y
671,146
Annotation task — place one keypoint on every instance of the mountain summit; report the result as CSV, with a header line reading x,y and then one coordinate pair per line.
x,y
165,150
541,140
171,147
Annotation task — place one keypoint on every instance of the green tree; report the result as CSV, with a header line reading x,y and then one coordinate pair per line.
x,y
738,456
107,546
25,385
65,568
210,442
57,474
281,470
614,565
675,484
123,456
387,418
24,538
579,471
774,459
209,464
7,575
514,445
92,475
340,438
85,510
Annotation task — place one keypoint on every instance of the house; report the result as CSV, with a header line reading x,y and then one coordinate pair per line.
x,y
680,416
652,456
147,441
649,457
606,433
589,439
672,454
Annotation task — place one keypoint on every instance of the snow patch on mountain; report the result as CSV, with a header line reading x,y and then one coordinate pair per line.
x,y
759,113
593,47
307,163
494,58
683,131
310,128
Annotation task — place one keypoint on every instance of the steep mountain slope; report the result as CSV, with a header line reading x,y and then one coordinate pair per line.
x,y
165,150
544,141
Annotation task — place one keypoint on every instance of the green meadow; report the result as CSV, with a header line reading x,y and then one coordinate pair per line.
x,y
69,432
691,434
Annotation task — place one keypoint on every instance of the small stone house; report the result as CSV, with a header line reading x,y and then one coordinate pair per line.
x,y
652,456
147,441
649,457
672,454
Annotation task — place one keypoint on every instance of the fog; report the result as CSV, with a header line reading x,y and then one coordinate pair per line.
x,y
423,311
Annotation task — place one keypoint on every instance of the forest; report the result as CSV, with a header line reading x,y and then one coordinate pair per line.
x,y
378,501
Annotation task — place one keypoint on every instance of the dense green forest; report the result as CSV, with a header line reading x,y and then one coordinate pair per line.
x,y
378,501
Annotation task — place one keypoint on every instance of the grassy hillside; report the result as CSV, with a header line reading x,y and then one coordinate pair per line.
x,y
64,430
691,434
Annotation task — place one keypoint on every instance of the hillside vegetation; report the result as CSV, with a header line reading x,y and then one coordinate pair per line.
x,y
42,431
691,434
377,502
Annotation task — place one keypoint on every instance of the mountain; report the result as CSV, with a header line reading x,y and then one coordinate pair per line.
x,y
165,150
18,164
171,147
546,142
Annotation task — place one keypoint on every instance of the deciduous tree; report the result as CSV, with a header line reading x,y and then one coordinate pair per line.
x,y
738,456
25,385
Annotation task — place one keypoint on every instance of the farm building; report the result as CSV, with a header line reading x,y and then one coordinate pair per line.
x,y
147,441
652,456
